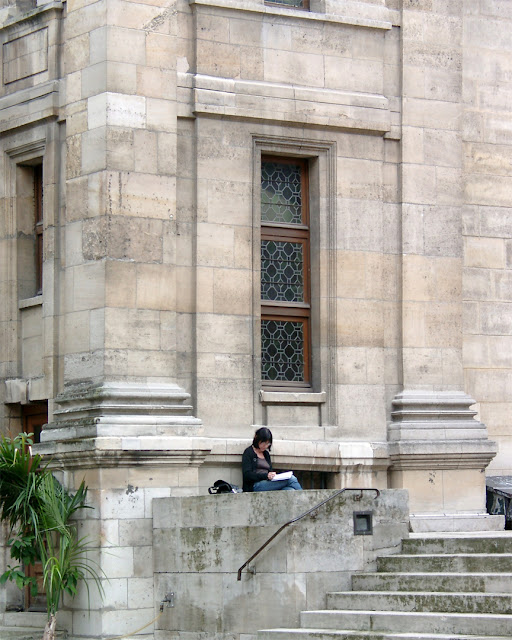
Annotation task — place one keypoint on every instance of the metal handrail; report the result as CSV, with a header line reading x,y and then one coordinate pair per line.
x,y
320,504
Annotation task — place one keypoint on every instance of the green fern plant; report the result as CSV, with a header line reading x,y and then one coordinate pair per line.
x,y
38,510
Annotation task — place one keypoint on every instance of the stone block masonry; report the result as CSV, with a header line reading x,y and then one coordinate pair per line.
x,y
200,542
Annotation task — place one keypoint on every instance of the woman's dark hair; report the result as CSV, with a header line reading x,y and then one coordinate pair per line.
x,y
262,435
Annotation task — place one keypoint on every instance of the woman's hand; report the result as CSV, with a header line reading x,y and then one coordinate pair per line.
x,y
271,474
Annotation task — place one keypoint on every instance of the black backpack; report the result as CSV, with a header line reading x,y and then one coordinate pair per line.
x,y
221,486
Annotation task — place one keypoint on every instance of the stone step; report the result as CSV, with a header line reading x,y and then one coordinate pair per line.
x,y
439,582
441,587
27,633
502,544
444,563
498,603
334,634
396,621
35,620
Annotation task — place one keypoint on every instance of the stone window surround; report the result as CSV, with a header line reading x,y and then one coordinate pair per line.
x,y
25,148
322,169
25,155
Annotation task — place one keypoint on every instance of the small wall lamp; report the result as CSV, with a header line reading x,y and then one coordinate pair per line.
x,y
363,523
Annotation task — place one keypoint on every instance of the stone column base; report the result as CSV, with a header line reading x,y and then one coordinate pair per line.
x,y
439,452
121,409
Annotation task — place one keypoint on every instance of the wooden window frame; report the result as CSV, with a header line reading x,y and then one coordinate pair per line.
x,y
38,226
292,311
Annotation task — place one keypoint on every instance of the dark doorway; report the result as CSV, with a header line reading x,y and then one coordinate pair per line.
x,y
312,479
34,417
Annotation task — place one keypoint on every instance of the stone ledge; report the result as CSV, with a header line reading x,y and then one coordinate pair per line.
x,y
211,95
362,15
125,452
447,454
305,455
292,397
35,301
7,20
30,105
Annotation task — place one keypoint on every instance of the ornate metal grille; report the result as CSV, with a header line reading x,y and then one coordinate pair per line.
x,y
281,197
282,350
282,271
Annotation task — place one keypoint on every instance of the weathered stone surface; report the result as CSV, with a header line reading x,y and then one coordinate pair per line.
x,y
150,120
200,543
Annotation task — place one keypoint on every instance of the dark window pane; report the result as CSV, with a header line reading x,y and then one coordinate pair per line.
x,y
282,271
281,197
282,350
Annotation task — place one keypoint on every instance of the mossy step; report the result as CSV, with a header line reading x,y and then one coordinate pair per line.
x,y
483,624
437,563
497,545
328,634
20,633
438,582
499,603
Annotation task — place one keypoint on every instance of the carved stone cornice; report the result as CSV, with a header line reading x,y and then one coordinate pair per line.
x,y
434,415
441,455
437,430
121,409
124,452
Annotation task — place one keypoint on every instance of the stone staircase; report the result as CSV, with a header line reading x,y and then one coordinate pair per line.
x,y
440,587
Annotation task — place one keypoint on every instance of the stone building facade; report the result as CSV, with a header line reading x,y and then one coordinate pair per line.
x,y
162,160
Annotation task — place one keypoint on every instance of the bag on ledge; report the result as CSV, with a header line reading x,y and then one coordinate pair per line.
x,y
221,486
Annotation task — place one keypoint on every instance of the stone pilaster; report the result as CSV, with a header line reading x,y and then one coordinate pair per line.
x,y
120,418
118,301
437,449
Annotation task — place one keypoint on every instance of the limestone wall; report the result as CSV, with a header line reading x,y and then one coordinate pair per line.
x,y
201,542
150,119
487,221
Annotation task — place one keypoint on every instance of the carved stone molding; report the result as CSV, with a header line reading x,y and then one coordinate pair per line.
x,y
105,453
434,415
437,430
122,409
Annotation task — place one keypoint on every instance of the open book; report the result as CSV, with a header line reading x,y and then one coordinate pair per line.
x,y
282,476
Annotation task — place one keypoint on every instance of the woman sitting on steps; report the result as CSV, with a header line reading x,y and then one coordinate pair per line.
x,y
257,466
